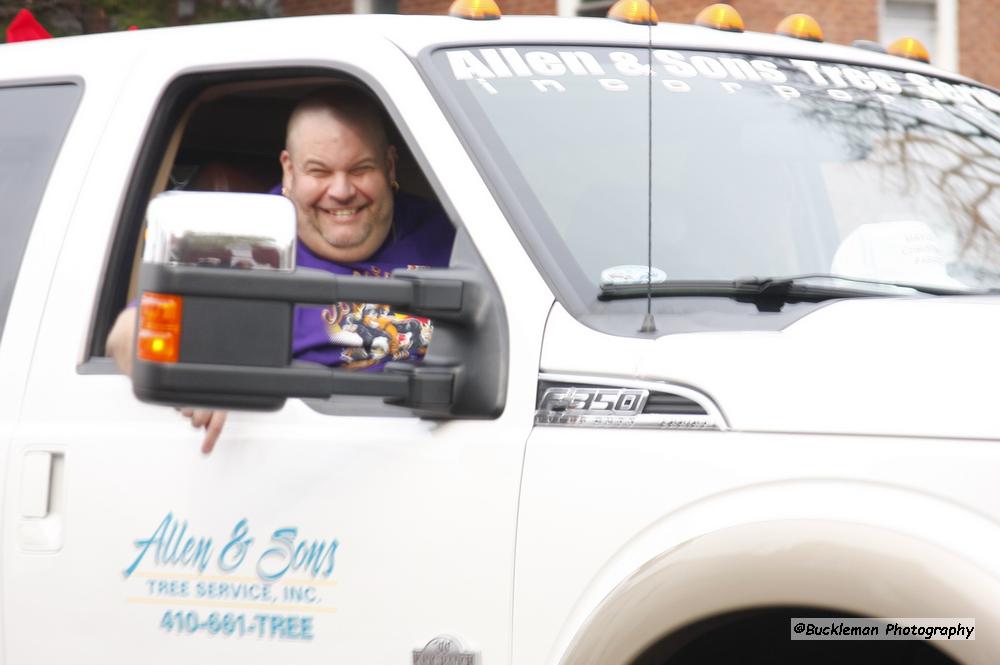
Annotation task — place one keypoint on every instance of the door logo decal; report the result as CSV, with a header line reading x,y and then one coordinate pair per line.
x,y
236,585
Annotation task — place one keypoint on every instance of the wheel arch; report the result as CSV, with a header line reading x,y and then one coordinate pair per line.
x,y
852,548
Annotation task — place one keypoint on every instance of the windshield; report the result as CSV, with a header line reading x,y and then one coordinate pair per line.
x,y
761,166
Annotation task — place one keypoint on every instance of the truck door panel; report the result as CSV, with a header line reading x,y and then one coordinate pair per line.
x,y
359,538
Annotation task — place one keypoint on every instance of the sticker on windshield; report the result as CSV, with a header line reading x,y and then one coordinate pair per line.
x,y
629,275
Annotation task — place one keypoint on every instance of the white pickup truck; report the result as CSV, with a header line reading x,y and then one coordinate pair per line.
x,y
719,345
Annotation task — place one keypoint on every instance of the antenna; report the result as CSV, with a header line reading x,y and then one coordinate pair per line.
x,y
648,323
641,11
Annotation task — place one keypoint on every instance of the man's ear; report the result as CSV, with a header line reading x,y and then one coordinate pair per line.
x,y
390,162
286,171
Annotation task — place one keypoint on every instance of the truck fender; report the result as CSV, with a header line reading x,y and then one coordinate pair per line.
x,y
864,549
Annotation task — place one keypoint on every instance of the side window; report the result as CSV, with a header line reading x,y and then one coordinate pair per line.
x,y
225,132
226,135
33,122
217,132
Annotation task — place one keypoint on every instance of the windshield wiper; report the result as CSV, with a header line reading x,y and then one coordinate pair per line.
x,y
922,288
770,294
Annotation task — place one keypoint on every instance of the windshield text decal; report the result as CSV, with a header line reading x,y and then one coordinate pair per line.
x,y
551,71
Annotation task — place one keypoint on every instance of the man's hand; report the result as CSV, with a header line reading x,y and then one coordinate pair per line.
x,y
212,421
120,347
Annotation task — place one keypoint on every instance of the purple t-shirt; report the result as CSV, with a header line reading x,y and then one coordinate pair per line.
x,y
367,335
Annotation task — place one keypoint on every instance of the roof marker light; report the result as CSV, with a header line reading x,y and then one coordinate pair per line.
x,y
800,26
908,47
475,10
633,11
720,17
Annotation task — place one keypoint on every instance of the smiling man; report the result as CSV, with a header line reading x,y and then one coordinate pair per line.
x,y
339,170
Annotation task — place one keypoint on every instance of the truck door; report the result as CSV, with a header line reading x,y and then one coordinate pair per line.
x,y
34,120
48,130
357,532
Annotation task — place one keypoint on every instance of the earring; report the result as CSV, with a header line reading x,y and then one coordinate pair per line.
x,y
395,185
284,191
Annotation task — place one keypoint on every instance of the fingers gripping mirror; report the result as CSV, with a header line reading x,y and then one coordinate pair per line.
x,y
219,286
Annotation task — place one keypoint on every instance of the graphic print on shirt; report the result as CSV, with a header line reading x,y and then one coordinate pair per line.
x,y
364,336
371,334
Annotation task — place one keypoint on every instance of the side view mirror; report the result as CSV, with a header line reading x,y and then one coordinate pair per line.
x,y
219,286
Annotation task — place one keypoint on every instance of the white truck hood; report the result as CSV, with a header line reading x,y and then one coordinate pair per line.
x,y
894,366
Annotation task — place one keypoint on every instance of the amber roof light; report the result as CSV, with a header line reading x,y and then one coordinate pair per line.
x,y
800,26
633,11
720,17
908,47
475,10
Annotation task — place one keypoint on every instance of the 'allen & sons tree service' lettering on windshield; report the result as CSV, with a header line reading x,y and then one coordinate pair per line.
x,y
484,65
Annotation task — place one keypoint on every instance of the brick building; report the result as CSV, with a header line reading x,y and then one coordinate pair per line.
x,y
962,35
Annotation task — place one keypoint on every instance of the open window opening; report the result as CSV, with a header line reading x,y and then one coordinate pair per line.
x,y
224,133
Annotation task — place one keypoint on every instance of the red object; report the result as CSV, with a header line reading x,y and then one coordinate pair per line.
x,y
133,27
24,28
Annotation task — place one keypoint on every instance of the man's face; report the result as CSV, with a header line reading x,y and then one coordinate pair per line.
x,y
338,173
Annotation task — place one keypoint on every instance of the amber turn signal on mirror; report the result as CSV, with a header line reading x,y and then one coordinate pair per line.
x,y
159,334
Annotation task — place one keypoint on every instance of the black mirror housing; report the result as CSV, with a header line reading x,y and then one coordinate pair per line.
x,y
235,342
235,337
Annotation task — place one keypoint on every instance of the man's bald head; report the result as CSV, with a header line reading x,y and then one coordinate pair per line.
x,y
347,104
